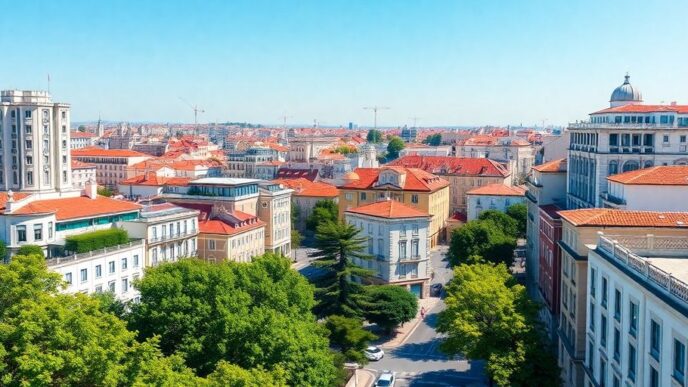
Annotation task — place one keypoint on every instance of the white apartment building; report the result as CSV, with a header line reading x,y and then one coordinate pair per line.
x,y
81,139
637,311
82,173
663,188
113,269
34,136
496,197
398,239
170,232
628,135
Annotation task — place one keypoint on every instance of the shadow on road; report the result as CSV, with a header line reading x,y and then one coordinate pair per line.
x,y
446,378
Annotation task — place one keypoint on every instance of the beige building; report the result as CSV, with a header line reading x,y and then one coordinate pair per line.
x,y
82,173
462,173
305,149
274,209
233,236
111,164
414,187
579,236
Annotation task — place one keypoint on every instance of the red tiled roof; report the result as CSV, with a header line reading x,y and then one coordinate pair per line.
x,y
457,166
291,173
100,152
391,209
662,175
621,218
218,226
17,196
552,210
151,179
416,179
204,209
558,165
305,187
640,108
77,134
76,164
76,208
497,190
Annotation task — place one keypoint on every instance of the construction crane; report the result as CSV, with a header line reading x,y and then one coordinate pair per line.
x,y
415,121
375,109
196,110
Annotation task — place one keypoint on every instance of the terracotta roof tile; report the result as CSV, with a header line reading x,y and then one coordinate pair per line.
x,y
305,187
456,166
416,179
100,152
152,179
292,173
391,209
640,108
553,166
219,226
662,175
17,196
620,218
77,134
497,190
78,207
76,164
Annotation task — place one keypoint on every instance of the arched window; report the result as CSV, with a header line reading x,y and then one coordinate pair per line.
x,y
613,167
630,165
648,164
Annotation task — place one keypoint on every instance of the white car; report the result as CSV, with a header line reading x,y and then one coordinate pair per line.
x,y
385,380
374,353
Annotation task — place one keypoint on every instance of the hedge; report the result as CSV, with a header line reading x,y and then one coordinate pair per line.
x,y
96,240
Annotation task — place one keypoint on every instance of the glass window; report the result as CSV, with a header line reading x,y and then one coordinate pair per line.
x,y
614,139
617,344
654,377
603,331
631,361
655,338
617,304
592,317
679,360
111,267
603,372
21,233
136,260
111,286
38,232
68,278
84,275
633,317
604,292
593,275
124,264
99,271
125,285
414,199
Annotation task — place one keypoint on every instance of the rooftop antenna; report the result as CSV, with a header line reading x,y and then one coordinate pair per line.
x,y
375,109
284,126
415,121
196,109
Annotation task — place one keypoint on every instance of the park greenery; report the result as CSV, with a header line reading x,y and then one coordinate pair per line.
x,y
489,316
95,240
433,139
348,335
519,212
324,211
374,136
394,146
389,306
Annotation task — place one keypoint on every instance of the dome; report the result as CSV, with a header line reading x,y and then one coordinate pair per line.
x,y
351,176
625,94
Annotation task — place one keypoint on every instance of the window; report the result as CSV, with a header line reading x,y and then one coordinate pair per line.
x,y
414,199
592,317
603,372
68,278
617,345
111,286
124,264
665,139
633,317
604,292
27,114
29,160
617,304
211,244
415,229
21,233
679,360
111,267
29,178
84,275
363,196
125,285
591,354
683,138
613,139
402,250
99,288
348,196
631,361
38,232
654,377
99,271
136,260
603,331
592,281
616,382
655,339
50,230
414,249
29,144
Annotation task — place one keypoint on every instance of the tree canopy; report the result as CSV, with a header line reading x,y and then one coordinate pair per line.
x,y
389,306
254,315
31,250
338,244
374,136
348,334
489,316
433,139
394,146
504,222
324,211
481,241
519,212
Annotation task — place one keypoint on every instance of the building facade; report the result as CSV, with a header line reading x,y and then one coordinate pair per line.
x,y
82,173
662,188
111,164
496,197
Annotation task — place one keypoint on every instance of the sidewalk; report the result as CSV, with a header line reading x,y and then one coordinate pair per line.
x,y
362,378
403,332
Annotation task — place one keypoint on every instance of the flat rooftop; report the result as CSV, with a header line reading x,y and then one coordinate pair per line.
x,y
677,267
224,181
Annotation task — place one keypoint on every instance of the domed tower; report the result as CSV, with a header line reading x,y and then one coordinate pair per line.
x,y
625,94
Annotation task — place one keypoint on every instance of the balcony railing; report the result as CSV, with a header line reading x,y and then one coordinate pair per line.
x,y
620,249
92,254
603,125
171,237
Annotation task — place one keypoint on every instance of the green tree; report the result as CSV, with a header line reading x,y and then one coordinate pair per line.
x,y
348,335
489,316
519,212
504,222
296,239
81,128
31,250
389,306
231,375
338,244
295,215
394,146
433,139
3,251
252,315
480,241
324,211
374,136
104,191
110,304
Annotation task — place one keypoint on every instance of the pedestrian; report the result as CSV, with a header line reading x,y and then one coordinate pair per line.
x,y
422,313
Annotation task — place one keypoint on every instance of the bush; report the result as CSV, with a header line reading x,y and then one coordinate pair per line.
x,y
30,250
96,240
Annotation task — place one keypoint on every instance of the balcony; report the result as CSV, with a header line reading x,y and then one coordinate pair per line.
x,y
628,126
172,237
55,261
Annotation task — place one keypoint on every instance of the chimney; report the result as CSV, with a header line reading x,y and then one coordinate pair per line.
x,y
91,189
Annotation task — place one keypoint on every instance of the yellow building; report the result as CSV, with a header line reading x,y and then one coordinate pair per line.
x,y
414,187
235,236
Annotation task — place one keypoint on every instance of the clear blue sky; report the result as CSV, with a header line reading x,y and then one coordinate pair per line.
x,y
449,62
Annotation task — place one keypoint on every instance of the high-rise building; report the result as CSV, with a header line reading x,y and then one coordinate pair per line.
x,y
34,136
628,135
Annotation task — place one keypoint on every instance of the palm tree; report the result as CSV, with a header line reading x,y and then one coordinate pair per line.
x,y
337,245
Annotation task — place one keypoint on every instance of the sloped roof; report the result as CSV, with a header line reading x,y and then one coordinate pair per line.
x,y
553,166
76,164
457,166
221,227
100,152
497,190
152,179
78,207
622,218
662,175
293,173
390,209
416,179
641,108
17,196
305,187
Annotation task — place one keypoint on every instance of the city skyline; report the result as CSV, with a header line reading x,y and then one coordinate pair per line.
x,y
452,64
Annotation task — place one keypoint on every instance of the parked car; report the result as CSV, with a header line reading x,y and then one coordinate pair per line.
x,y
386,379
374,353
436,289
